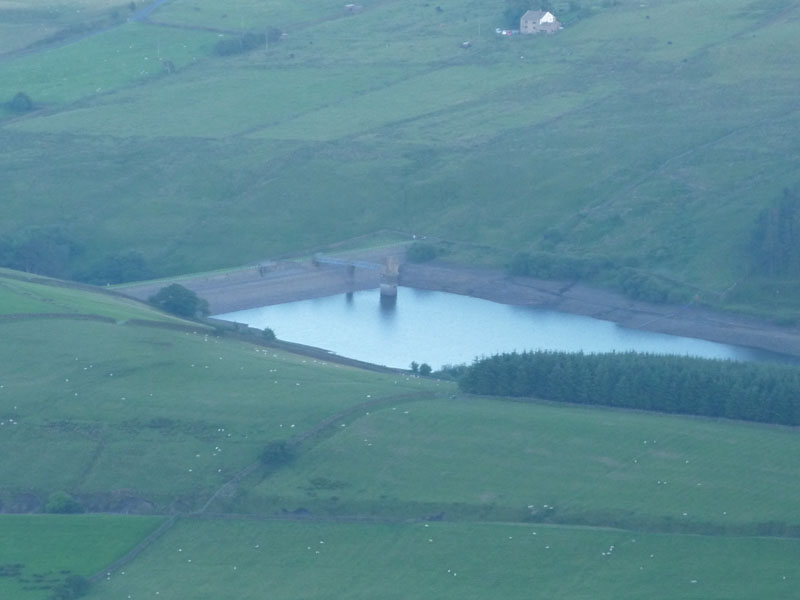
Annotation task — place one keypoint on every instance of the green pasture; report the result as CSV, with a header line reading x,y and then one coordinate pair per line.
x,y
100,64
503,460
153,415
634,133
18,296
251,558
253,98
38,552
246,15
19,35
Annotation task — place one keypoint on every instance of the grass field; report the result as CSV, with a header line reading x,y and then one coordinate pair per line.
x,y
248,559
551,463
39,551
652,134
400,480
634,133
150,416
18,296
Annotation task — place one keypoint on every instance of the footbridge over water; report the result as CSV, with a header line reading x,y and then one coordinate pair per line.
x,y
389,269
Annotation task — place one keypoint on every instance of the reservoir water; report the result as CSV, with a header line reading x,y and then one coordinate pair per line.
x,y
440,328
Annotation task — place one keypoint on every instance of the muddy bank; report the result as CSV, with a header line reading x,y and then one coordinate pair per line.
x,y
288,281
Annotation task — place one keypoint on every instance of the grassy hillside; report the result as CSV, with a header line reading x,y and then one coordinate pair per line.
x,y
125,416
653,135
398,486
24,295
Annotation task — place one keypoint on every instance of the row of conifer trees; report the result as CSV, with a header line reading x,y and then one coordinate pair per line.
x,y
764,392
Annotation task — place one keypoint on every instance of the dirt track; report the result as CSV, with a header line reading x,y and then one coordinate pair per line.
x,y
289,281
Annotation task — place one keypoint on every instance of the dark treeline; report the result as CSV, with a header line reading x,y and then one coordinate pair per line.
x,y
776,243
768,393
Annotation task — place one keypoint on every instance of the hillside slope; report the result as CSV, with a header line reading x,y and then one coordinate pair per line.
x,y
651,134
394,483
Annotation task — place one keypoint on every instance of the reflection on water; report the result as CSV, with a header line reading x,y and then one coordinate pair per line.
x,y
440,328
388,305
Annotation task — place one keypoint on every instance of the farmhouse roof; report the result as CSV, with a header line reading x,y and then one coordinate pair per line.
x,y
539,16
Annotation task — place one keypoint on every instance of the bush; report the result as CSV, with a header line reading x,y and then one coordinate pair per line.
x,y
63,504
45,250
650,288
545,265
268,334
180,301
75,586
277,454
425,369
21,103
419,252
118,268
452,372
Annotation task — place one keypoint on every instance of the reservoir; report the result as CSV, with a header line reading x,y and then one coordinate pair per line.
x,y
440,328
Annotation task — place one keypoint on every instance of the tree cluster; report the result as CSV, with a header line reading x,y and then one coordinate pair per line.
x,y
117,268
277,454
21,103
420,252
632,282
776,242
423,369
181,301
75,586
62,503
46,250
768,393
546,265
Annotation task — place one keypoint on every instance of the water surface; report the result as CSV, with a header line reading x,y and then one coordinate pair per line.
x,y
440,328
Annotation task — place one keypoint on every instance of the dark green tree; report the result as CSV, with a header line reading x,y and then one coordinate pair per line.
x,y
118,268
268,334
425,369
21,103
75,586
277,454
179,300
46,250
776,242
62,503
419,252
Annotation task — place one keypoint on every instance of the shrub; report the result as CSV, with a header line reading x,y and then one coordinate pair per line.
x,y
118,268
75,586
420,252
180,301
452,372
63,504
268,334
277,454
21,103
546,265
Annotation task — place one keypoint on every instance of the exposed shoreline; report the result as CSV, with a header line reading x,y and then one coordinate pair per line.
x,y
288,281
